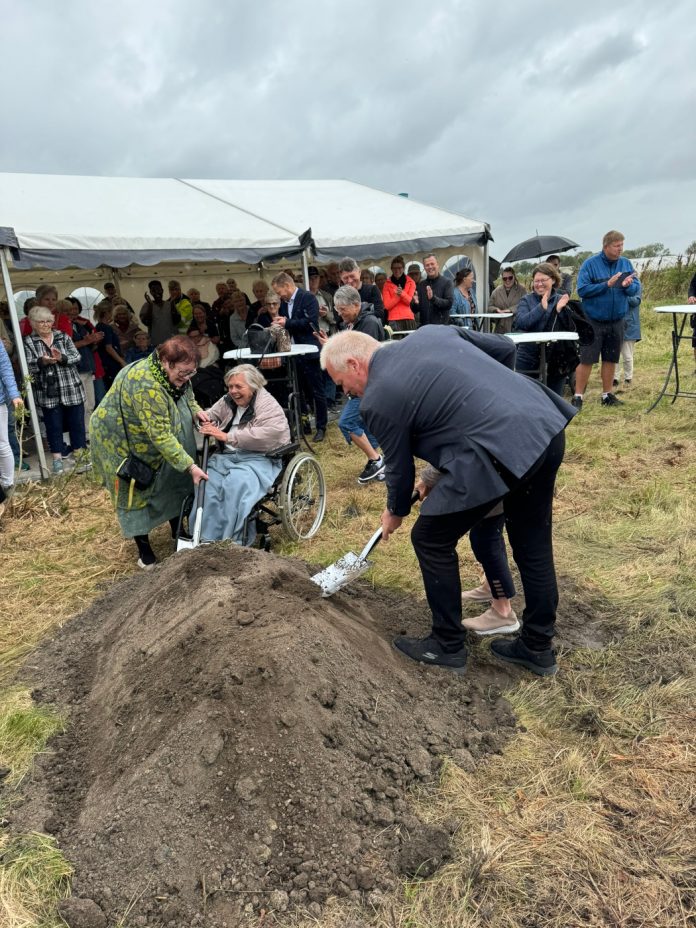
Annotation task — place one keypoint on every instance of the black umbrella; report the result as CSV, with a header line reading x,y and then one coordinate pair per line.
x,y
539,245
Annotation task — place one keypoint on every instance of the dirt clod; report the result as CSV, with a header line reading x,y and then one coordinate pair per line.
x,y
237,744
81,913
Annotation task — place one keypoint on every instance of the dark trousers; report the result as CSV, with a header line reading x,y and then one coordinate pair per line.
x,y
65,418
528,508
312,381
488,545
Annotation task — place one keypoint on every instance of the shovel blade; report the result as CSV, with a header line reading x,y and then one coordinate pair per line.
x,y
337,575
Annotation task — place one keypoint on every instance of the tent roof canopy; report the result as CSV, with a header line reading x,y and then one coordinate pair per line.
x,y
57,221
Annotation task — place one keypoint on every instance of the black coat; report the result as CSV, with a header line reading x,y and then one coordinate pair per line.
x,y
437,310
450,397
369,293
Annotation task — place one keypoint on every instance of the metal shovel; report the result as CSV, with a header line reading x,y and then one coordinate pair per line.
x,y
349,567
183,544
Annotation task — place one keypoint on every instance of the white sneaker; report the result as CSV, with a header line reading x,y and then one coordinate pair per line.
x,y
492,623
143,566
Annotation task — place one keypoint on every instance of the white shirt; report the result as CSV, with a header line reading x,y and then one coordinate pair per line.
x,y
291,303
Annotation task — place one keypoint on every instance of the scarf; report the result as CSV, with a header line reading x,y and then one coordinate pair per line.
x,y
160,375
398,281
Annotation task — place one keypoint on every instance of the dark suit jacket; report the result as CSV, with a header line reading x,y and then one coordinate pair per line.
x,y
437,310
449,396
305,313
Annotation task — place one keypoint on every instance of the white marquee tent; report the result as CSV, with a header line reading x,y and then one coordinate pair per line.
x,y
62,221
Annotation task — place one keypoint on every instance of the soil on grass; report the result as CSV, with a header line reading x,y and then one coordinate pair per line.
x,y
238,743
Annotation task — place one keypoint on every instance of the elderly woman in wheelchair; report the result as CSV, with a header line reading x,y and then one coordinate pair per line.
x,y
248,423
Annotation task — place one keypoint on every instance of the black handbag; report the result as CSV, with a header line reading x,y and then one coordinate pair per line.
x,y
132,469
259,339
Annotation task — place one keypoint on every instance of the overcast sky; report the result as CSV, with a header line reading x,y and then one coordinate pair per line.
x,y
568,119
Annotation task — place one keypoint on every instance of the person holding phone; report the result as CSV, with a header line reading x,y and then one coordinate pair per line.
x,y
606,281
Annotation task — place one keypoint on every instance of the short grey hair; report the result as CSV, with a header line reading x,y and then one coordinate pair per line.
x,y
251,374
40,314
347,264
346,296
346,345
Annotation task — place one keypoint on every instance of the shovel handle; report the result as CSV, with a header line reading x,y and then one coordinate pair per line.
x,y
373,542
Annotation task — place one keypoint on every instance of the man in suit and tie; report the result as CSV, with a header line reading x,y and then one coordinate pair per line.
x,y
449,396
299,314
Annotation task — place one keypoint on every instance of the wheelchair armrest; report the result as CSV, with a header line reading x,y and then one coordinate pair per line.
x,y
284,450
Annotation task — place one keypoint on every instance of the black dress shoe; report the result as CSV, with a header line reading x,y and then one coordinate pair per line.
x,y
428,650
319,435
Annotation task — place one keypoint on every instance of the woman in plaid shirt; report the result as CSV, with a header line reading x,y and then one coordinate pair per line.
x,y
53,359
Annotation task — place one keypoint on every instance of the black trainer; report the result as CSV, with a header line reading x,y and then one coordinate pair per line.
x,y
372,470
516,651
428,650
611,400
577,402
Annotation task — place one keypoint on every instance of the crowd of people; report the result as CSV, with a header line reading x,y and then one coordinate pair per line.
x,y
141,383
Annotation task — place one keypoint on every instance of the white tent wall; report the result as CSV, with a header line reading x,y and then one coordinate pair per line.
x,y
132,281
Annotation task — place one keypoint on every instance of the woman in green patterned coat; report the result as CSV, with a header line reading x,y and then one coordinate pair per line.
x,y
150,412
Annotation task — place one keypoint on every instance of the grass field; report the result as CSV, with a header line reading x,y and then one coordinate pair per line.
x,y
589,816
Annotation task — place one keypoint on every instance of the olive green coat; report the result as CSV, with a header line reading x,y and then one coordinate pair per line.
x,y
160,433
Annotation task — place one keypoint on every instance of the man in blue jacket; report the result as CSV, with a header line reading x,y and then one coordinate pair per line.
x,y
605,282
299,315
449,396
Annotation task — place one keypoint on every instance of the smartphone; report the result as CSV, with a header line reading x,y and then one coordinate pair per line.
x,y
315,328
622,276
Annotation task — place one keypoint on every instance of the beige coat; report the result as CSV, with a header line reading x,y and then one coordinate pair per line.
x,y
263,426
506,301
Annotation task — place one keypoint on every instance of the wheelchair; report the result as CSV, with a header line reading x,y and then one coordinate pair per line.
x,y
297,500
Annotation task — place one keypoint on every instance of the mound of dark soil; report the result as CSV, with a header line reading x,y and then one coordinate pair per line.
x,y
237,743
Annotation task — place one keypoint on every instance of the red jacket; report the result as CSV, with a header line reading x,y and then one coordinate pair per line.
x,y
398,307
61,322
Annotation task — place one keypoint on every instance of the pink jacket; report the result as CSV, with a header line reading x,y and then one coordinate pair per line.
x,y
263,428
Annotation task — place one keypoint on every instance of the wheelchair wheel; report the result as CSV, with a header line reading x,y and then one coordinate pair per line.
x,y
302,500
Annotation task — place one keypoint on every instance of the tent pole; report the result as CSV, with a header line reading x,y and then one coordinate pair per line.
x,y
305,269
26,386
485,279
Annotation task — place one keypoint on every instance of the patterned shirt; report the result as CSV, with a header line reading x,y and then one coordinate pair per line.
x,y
54,384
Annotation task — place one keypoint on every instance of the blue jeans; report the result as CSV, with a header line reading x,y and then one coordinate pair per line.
x,y
58,417
351,422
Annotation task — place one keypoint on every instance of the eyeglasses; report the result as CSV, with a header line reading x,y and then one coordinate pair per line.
x,y
507,278
187,375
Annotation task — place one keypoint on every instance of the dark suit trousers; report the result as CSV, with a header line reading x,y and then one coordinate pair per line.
x,y
312,381
528,508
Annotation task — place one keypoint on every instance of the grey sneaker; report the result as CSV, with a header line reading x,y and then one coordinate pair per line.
x,y
577,402
57,467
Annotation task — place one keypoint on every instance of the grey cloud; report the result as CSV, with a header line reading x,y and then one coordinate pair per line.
x,y
500,111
